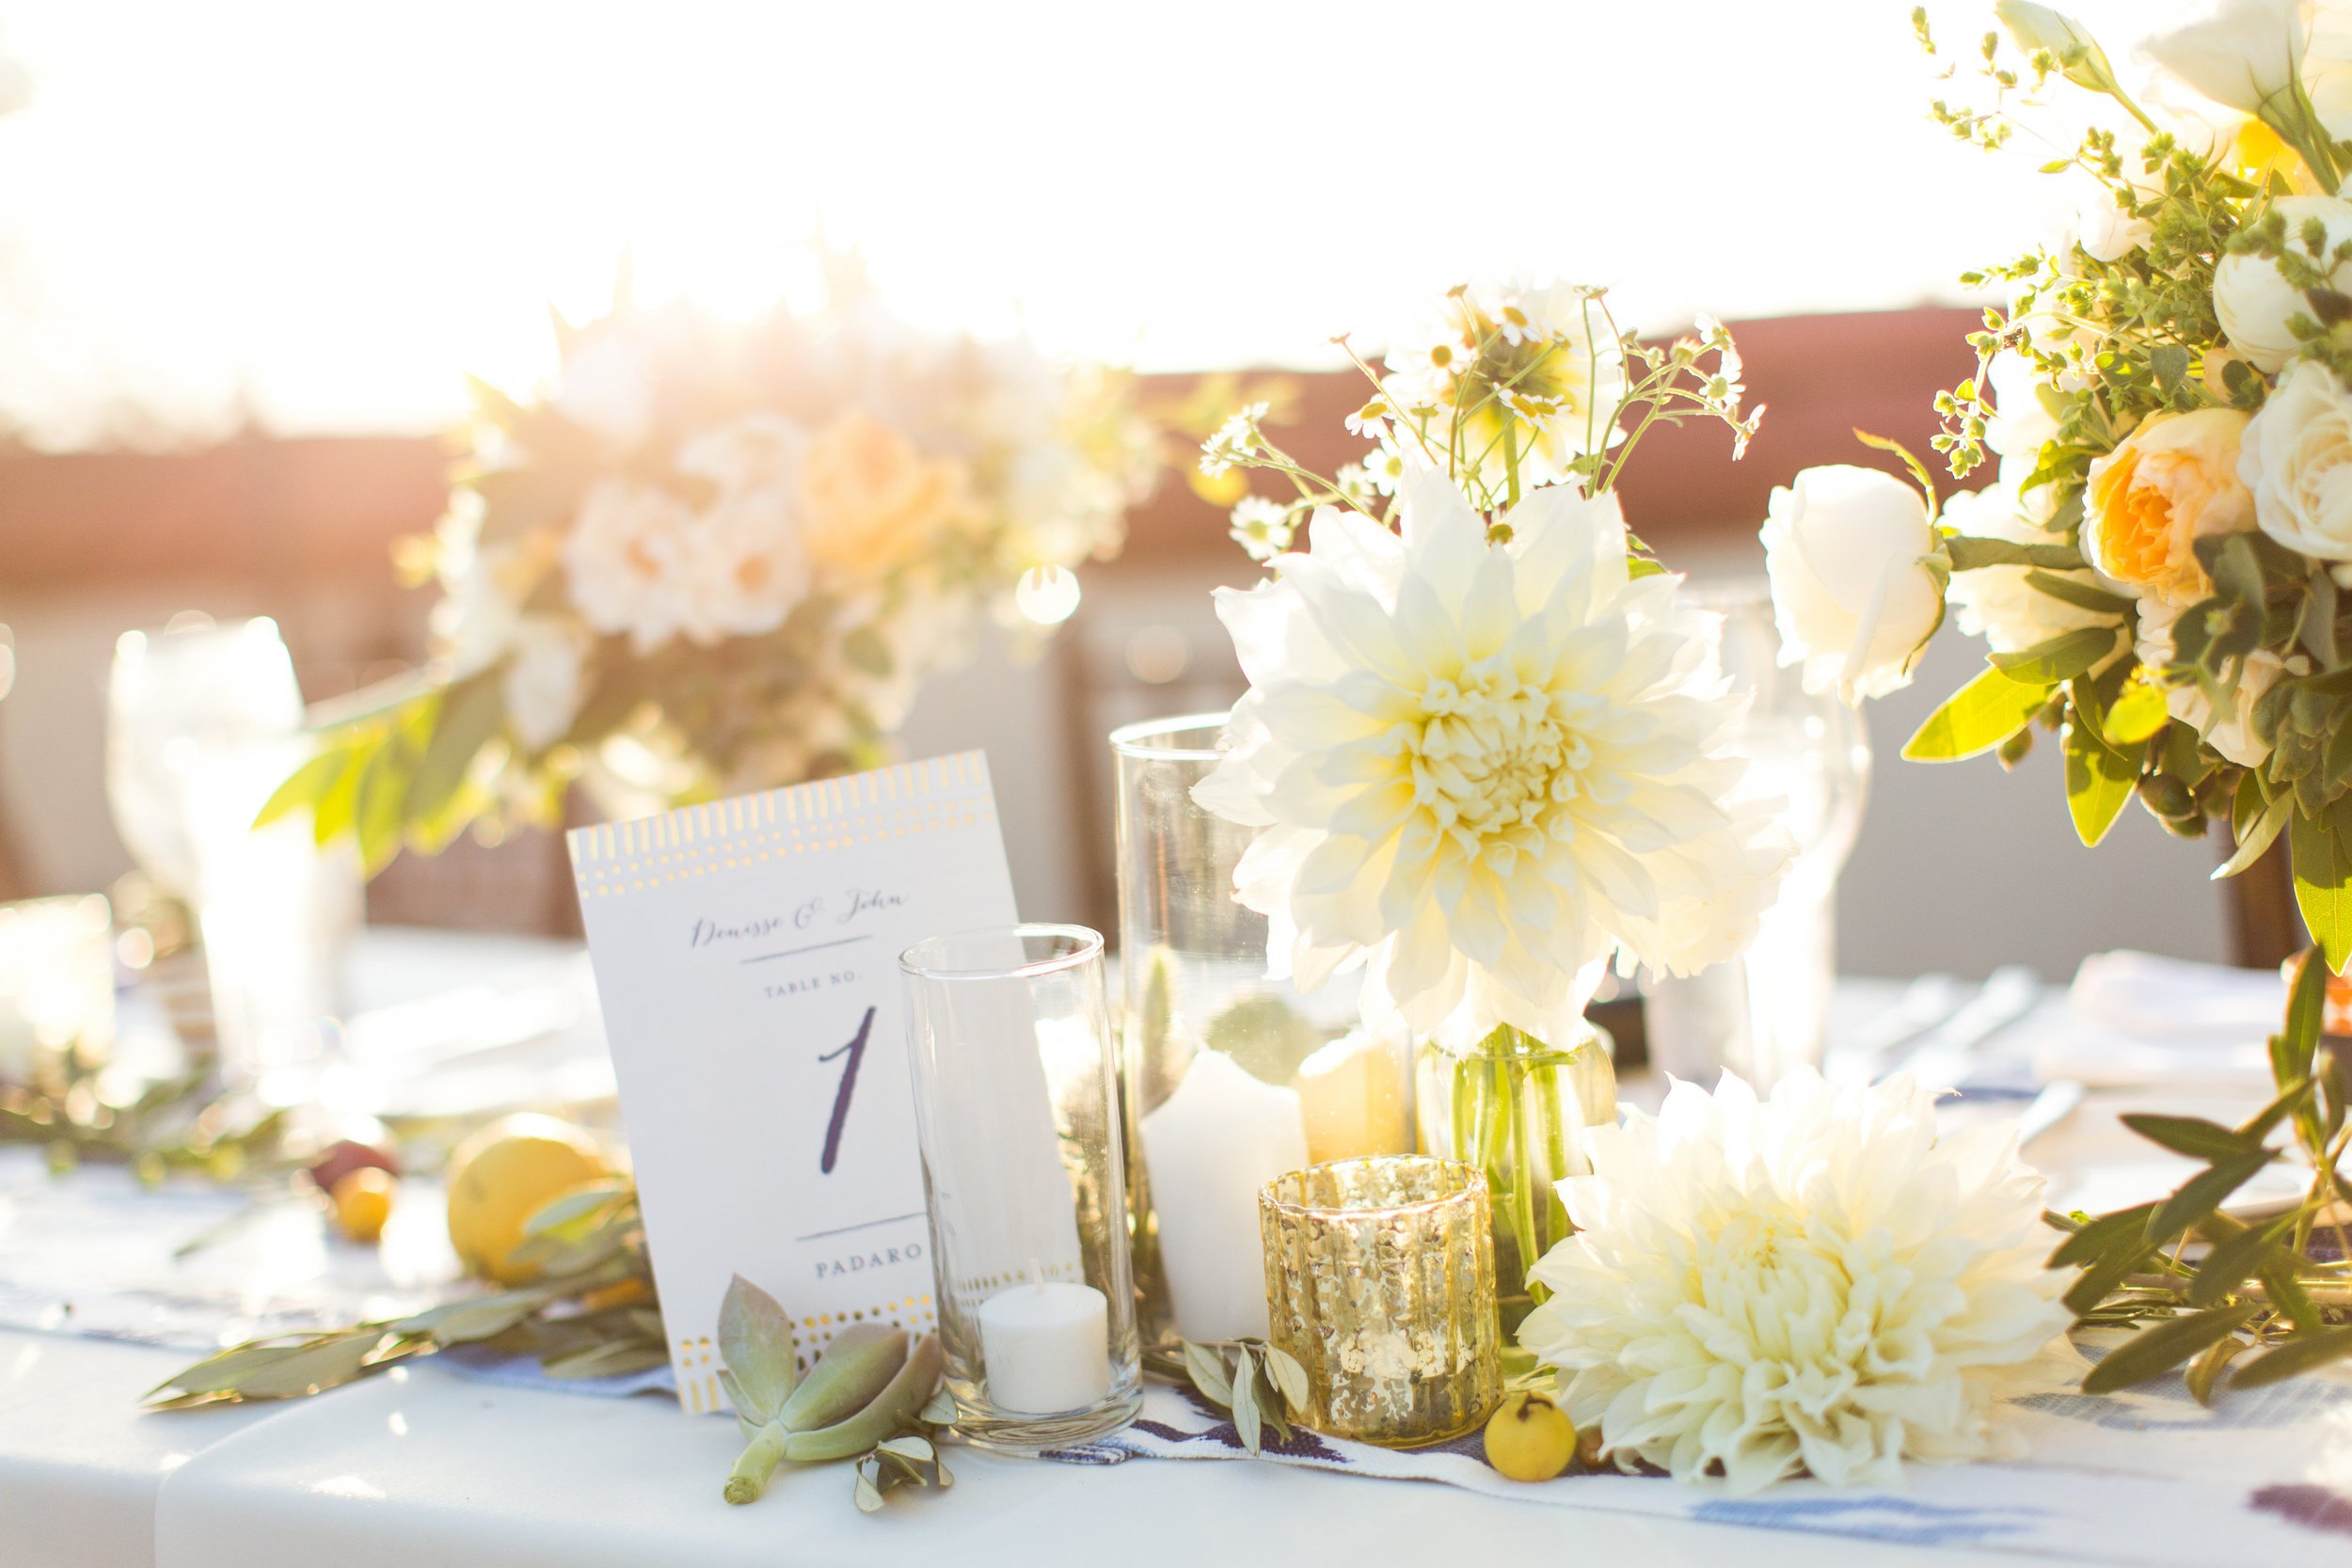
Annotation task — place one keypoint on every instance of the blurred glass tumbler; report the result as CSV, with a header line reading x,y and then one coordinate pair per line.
x,y
1766,1011
174,695
1380,1277
1016,1100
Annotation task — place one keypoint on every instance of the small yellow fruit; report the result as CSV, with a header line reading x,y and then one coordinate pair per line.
x,y
1530,1438
363,1201
505,1174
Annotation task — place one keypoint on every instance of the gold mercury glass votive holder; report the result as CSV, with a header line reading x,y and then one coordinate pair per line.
x,y
1380,1281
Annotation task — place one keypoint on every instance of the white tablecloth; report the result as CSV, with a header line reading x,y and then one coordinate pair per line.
x,y
424,1466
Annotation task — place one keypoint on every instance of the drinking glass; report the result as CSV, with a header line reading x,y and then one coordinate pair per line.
x,y
1016,1089
173,694
276,913
1766,1011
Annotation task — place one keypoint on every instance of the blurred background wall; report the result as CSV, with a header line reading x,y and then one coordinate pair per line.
x,y
1956,868
249,249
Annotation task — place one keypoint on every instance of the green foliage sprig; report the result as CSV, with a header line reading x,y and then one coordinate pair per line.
x,y
591,1313
2251,1290
1262,1385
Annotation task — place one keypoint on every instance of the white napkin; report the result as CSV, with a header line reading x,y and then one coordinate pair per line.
x,y
2139,1017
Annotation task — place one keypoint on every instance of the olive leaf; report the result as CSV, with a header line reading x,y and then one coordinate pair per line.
x,y
1289,1377
2155,1351
1245,1421
546,1319
1208,1373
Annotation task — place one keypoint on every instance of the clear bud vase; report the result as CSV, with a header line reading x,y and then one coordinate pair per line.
x,y
1518,1109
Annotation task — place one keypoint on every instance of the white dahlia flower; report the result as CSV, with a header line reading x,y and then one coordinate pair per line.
x,y
1815,1283
1479,770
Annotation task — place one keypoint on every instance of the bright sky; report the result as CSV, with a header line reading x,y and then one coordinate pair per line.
x,y
323,214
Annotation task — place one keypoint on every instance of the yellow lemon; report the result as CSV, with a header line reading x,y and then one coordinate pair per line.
x,y
503,1174
1530,1438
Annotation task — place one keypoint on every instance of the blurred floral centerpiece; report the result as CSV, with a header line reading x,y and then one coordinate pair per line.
x,y
718,556
1485,747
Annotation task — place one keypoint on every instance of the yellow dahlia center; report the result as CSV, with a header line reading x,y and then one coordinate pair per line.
x,y
1490,756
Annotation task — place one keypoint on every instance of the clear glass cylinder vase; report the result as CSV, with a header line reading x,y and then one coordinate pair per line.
x,y
1519,1110
1230,1079
1015,1079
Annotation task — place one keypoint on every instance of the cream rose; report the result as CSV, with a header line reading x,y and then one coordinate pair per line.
x,y
2173,482
870,501
2296,459
2253,299
1997,603
1846,547
2232,732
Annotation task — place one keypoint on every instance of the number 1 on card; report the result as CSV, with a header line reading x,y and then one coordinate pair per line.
x,y
855,1052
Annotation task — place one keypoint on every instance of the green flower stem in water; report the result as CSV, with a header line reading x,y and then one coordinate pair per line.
x,y
1517,1107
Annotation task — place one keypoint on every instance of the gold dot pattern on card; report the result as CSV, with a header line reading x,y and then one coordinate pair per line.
x,y
913,798
697,1374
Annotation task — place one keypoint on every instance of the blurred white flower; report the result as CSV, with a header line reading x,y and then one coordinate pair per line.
x,y
1262,527
2245,54
1997,603
1480,769
474,619
1536,367
1846,548
1816,1282
749,566
2018,428
606,385
2106,232
630,560
2253,299
2228,729
543,682
2296,458
2327,65
759,451
1235,439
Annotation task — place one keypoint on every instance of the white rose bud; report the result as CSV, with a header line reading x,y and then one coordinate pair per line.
x,y
2244,53
2296,459
1846,548
2255,301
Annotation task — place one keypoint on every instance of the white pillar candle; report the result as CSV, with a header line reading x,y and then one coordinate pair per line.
x,y
1207,1149
1046,1347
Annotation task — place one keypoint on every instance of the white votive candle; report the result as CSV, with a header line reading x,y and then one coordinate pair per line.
x,y
1047,1348
1207,1150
